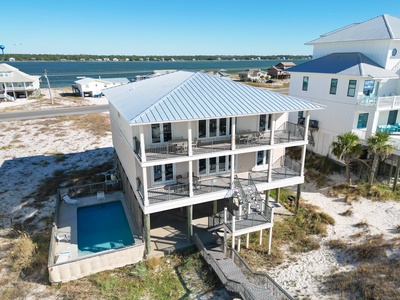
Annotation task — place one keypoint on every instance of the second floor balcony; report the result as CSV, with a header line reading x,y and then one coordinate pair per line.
x,y
381,102
288,132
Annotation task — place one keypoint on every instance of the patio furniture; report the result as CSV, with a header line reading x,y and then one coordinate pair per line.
x,y
62,237
69,201
101,196
63,257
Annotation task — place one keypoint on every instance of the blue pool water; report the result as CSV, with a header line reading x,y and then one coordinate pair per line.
x,y
103,227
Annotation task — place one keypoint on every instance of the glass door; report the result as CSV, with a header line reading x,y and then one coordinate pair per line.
x,y
163,173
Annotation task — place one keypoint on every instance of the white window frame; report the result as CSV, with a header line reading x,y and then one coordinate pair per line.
x,y
163,179
217,170
227,133
265,162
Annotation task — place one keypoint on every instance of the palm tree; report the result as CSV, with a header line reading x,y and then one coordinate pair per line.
x,y
346,148
378,145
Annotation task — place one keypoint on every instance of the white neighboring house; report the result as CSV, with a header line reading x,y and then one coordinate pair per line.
x,y
92,87
355,74
16,84
188,138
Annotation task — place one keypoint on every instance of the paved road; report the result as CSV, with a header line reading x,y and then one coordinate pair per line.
x,y
48,113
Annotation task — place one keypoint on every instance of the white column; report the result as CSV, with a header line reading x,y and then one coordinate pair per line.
x,y
190,138
247,240
233,134
273,127
232,157
145,187
260,236
270,240
190,175
239,241
142,144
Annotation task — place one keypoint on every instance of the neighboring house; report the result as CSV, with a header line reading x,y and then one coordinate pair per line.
x,y
222,74
92,87
255,75
16,84
188,138
355,74
278,71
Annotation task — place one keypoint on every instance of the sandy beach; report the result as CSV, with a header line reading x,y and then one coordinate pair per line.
x,y
27,157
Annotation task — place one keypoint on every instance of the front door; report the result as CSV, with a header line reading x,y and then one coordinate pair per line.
x,y
392,117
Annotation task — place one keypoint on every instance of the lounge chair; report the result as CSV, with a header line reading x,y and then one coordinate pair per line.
x,y
62,237
69,201
63,257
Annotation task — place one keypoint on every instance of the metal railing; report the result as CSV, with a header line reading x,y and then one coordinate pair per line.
x,y
258,278
168,192
211,185
289,132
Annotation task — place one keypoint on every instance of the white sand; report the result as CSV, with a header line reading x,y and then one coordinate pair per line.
x,y
26,159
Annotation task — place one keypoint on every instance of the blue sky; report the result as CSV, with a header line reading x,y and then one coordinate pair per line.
x,y
177,27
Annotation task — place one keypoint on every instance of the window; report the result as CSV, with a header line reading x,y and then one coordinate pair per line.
x,y
368,87
264,122
161,133
163,173
305,83
362,120
333,88
262,158
213,128
351,91
213,165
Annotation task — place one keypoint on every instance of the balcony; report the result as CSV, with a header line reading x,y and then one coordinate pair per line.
x,y
283,168
288,132
385,102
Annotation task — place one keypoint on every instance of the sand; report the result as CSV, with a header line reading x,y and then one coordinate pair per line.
x,y
27,157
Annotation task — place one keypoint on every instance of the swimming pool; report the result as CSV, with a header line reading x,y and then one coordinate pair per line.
x,y
103,227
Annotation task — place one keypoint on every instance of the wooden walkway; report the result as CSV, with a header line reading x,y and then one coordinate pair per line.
x,y
235,281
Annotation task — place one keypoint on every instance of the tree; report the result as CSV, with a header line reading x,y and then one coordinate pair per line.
x,y
346,148
378,145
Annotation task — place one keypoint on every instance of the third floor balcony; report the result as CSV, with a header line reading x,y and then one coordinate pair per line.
x,y
176,147
381,102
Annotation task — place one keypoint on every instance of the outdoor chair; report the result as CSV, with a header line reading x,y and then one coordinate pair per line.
x,y
63,257
62,237
69,201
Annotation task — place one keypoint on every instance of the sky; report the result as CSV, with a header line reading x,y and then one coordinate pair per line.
x,y
178,27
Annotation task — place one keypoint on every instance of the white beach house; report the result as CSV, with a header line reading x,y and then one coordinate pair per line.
x,y
93,87
355,74
189,138
16,84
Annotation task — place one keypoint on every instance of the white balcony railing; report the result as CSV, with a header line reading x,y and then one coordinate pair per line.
x,y
380,102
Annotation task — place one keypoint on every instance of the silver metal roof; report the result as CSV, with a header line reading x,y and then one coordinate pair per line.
x,y
353,64
187,95
104,80
17,75
383,27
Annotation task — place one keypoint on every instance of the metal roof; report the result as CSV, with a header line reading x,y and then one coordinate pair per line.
x,y
187,95
17,75
383,27
353,64
104,80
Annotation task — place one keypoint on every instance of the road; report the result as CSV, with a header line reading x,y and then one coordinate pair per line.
x,y
48,113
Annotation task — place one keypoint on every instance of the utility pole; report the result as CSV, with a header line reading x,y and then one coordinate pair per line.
x,y
48,84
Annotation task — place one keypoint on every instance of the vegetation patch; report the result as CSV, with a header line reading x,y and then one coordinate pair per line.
x,y
377,277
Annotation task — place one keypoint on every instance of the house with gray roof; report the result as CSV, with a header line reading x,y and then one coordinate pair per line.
x,y
355,74
186,139
16,84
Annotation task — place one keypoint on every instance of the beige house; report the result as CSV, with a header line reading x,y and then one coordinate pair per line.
x,y
16,84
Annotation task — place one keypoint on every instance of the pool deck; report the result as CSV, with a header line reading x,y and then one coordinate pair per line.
x,y
68,224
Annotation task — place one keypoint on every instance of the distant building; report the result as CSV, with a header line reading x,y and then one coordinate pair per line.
x,y
11,59
92,87
278,71
255,75
16,84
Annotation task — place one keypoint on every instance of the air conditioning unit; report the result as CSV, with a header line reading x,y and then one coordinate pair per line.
x,y
313,124
301,121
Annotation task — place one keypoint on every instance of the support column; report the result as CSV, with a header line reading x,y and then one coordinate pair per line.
x,y
189,211
266,197
278,194
270,240
215,207
232,171
233,133
190,176
142,144
247,240
146,233
260,236
145,187
239,241
298,197
190,147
